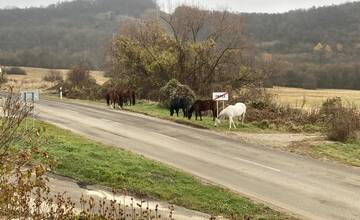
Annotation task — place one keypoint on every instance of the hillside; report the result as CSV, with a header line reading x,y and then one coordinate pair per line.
x,y
63,34
299,31
318,48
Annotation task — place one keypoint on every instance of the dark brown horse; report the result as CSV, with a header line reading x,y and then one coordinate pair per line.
x,y
113,97
201,106
128,96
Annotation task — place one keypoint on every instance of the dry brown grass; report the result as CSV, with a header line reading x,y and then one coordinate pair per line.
x,y
34,78
313,98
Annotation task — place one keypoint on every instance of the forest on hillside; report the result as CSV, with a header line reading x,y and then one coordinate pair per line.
x,y
64,34
314,48
318,47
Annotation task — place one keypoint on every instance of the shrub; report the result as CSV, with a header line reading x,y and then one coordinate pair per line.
x,y
54,76
79,77
174,89
2,77
15,71
264,112
255,97
81,85
331,106
342,123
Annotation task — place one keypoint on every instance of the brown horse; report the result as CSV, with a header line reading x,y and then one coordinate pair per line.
x,y
128,96
113,97
201,106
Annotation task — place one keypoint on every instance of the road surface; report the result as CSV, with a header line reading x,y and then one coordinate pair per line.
x,y
308,188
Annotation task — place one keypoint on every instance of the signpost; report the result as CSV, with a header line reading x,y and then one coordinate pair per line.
x,y
61,93
29,98
220,96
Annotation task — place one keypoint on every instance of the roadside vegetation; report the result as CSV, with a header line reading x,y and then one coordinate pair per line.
x,y
93,163
347,152
14,71
27,154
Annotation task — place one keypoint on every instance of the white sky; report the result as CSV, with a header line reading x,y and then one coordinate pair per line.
x,y
233,5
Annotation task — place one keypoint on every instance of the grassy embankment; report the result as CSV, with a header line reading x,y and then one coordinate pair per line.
x,y
348,153
94,163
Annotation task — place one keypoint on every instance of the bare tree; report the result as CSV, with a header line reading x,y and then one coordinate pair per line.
x,y
202,49
218,42
14,112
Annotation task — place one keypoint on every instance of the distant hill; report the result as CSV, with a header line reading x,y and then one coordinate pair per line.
x,y
320,46
299,31
64,34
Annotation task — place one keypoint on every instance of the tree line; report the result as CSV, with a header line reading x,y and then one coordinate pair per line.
x,y
64,34
319,43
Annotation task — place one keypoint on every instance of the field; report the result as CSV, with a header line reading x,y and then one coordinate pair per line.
x,y
95,163
292,96
34,79
313,98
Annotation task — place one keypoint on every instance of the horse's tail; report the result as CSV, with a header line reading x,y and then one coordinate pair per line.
x,y
133,98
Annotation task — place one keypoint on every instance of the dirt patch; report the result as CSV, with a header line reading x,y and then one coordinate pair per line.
x,y
284,141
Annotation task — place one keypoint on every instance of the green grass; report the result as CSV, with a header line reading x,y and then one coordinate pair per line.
x,y
153,109
94,163
348,153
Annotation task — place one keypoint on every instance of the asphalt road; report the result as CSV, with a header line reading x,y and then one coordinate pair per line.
x,y
309,188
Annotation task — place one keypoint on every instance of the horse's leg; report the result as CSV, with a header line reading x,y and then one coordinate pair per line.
x,y
200,116
243,117
171,111
196,115
230,123
121,103
177,112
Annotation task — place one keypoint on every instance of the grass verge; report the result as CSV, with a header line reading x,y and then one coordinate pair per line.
x,y
94,163
348,153
153,109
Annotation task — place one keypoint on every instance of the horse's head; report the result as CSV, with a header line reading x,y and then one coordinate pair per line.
x,y
217,122
189,114
172,111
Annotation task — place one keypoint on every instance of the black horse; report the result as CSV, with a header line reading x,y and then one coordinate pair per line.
x,y
201,106
177,104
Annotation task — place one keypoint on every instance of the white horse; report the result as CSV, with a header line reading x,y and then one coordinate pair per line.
x,y
231,112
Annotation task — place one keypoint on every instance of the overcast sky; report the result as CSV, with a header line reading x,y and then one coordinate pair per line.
x,y
233,5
